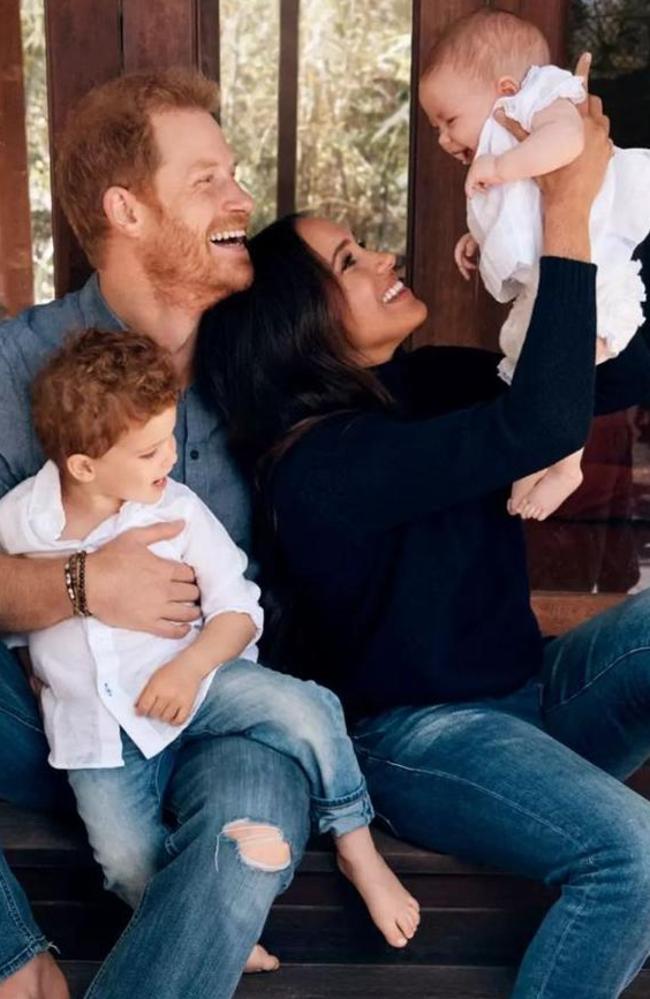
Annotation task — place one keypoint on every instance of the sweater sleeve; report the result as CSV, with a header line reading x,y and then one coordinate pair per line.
x,y
373,471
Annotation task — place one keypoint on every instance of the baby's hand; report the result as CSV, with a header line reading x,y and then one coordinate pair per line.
x,y
483,173
170,693
464,253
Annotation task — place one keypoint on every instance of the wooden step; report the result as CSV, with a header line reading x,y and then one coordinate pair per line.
x,y
319,981
470,915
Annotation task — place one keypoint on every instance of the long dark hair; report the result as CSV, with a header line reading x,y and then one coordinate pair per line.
x,y
273,359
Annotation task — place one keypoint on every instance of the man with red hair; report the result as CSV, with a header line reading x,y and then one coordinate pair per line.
x,y
147,181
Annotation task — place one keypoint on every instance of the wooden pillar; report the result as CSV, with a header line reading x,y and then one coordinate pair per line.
x,y
288,106
88,44
16,290
460,312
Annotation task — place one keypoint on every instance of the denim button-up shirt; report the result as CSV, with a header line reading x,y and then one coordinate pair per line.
x,y
204,463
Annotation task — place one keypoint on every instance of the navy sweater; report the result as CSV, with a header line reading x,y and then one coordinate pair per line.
x,y
409,576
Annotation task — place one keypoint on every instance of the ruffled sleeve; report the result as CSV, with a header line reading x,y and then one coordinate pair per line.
x,y
541,86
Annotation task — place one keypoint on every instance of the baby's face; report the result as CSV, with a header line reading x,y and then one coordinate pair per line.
x,y
457,106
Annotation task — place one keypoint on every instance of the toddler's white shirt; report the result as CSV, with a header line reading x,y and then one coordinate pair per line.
x,y
506,222
93,674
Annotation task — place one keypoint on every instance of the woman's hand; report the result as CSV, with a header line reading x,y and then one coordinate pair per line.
x,y
569,192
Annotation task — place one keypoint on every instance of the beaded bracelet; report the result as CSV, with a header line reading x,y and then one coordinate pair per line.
x,y
75,583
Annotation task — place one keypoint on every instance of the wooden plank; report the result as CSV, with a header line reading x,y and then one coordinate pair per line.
x,y
16,278
362,981
208,60
460,312
288,106
83,49
159,35
558,612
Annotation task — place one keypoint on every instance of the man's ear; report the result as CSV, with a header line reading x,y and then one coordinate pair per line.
x,y
507,86
123,210
80,467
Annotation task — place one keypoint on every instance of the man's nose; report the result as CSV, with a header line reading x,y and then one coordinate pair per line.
x,y
238,200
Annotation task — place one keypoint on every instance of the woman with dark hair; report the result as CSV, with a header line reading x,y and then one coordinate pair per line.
x,y
382,479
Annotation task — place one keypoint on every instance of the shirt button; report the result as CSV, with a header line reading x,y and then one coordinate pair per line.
x,y
108,690
194,453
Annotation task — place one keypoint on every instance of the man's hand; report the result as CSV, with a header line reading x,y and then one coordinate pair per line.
x,y
127,586
465,254
483,174
170,693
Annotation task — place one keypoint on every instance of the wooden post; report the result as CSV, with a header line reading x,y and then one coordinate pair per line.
x,y
288,106
16,287
83,49
88,44
460,312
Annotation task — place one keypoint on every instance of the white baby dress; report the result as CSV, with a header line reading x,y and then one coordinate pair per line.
x,y
506,222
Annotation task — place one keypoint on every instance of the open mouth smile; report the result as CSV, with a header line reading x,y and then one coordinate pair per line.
x,y
232,237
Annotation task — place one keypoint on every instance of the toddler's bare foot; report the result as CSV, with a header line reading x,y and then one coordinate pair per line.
x,y
260,960
550,492
40,978
393,910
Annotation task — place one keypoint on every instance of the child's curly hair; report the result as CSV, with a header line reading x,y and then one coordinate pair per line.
x,y
95,387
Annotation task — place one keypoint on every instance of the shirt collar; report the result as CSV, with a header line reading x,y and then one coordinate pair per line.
x,y
45,513
94,308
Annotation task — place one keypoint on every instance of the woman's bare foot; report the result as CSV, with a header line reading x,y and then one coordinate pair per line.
x,y
40,978
393,910
260,960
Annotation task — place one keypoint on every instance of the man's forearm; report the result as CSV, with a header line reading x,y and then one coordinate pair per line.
x,y
32,593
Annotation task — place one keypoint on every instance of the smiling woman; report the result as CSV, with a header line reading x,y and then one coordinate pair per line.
x,y
379,310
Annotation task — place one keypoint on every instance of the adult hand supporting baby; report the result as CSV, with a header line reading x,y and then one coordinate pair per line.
x,y
568,193
127,586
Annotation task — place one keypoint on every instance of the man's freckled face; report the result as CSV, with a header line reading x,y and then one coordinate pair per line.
x,y
195,198
457,107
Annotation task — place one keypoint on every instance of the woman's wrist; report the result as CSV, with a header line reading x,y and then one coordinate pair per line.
x,y
566,231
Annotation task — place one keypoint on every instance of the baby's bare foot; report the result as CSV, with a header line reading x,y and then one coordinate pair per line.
x,y
259,960
550,492
520,491
40,978
393,910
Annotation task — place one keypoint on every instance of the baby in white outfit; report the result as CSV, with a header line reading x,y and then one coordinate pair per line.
x,y
493,59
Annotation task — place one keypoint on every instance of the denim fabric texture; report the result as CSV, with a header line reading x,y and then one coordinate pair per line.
x,y
122,806
531,783
169,948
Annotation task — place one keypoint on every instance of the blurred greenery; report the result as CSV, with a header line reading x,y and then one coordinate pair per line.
x,y
353,109
33,31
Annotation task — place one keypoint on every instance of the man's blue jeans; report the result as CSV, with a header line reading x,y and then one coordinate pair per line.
x,y
531,783
122,806
198,919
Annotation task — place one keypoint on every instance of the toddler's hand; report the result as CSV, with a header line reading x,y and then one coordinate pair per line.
x,y
464,254
170,694
483,173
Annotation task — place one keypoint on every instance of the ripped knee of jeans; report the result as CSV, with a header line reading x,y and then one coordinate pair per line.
x,y
260,846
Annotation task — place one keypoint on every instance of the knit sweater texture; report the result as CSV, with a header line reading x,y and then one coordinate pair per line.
x,y
409,576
